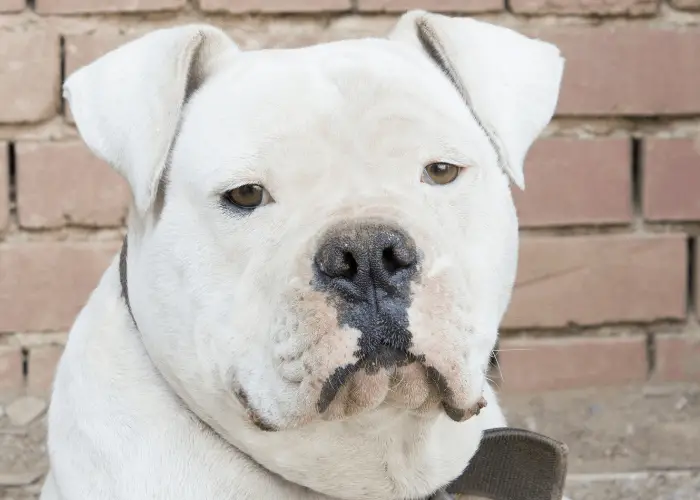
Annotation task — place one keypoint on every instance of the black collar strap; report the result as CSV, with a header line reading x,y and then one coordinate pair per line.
x,y
515,464
510,464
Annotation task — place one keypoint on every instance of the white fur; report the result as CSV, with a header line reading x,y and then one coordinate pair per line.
x,y
513,81
336,132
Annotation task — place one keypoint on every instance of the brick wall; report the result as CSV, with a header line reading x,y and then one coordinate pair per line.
x,y
606,286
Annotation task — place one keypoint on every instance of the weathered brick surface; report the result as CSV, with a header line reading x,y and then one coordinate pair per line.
x,y
11,377
98,6
635,75
693,5
64,183
29,76
4,187
450,6
308,30
45,284
242,6
11,5
585,7
568,363
571,182
677,358
631,70
671,178
589,280
42,366
83,49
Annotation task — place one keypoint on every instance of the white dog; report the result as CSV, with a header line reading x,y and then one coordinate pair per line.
x,y
321,247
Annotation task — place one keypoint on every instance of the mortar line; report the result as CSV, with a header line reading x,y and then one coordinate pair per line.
x,y
62,52
651,354
12,179
691,290
25,362
636,182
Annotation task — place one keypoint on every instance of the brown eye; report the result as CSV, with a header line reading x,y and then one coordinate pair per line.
x,y
440,173
248,196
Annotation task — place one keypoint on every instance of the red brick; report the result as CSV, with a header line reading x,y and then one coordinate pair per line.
x,y
452,6
274,6
686,4
42,367
627,70
572,181
571,363
4,187
92,6
29,76
65,184
11,373
671,179
677,358
81,50
45,284
11,5
591,280
583,7
247,6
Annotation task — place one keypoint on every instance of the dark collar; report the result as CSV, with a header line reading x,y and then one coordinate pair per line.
x,y
510,464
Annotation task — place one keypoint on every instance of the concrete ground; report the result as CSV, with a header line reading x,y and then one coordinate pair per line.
x,y
640,443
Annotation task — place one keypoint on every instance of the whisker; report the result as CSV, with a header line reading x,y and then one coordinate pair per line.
x,y
498,365
507,350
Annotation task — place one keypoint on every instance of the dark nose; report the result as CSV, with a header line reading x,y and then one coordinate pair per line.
x,y
367,258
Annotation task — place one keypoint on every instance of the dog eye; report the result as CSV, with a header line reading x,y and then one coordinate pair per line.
x,y
440,173
248,196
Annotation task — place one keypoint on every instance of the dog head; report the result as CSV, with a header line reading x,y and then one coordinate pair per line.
x,y
318,233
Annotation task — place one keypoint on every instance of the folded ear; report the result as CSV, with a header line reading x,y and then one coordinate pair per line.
x,y
128,103
509,82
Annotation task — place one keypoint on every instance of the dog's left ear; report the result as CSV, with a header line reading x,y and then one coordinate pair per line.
x,y
509,82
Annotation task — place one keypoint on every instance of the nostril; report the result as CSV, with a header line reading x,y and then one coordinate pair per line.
x,y
394,259
337,263
389,260
349,267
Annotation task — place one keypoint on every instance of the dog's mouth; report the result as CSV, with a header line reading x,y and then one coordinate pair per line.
x,y
394,377
389,377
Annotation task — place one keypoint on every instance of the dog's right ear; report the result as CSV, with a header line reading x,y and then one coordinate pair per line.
x,y
127,104
509,82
